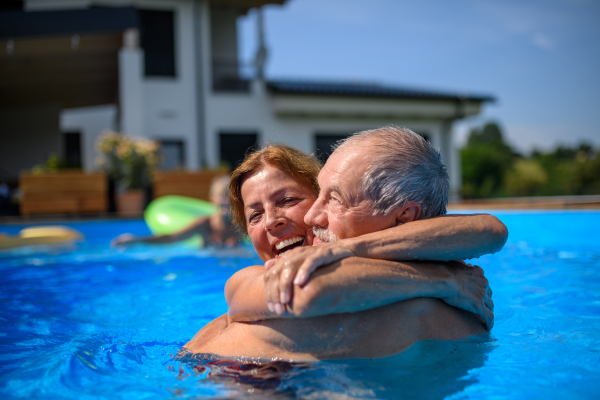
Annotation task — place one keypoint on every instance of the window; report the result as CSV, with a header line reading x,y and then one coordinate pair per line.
x,y
425,135
157,37
72,149
172,153
235,146
324,142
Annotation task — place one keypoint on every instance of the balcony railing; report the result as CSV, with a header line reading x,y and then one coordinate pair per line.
x,y
231,76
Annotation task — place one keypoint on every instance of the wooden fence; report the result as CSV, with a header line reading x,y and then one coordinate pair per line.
x,y
76,192
190,184
63,193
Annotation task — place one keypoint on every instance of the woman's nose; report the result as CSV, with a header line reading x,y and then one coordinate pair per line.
x,y
275,220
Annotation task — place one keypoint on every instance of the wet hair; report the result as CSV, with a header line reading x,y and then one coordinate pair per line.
x,y
404,167
299,165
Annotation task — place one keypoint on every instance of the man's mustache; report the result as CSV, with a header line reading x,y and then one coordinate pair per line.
x,y
325,235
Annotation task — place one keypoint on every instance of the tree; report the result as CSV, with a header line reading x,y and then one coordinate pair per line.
x,y
526,178
491,168
485,161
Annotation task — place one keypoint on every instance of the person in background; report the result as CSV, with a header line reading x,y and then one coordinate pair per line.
x,y
216,229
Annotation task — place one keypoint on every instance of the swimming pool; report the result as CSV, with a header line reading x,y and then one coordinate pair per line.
x,y
89,322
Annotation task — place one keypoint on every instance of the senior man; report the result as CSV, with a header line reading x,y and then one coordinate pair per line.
x,y
342,211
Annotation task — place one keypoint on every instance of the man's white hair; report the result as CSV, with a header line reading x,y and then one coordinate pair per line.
x,y
404,167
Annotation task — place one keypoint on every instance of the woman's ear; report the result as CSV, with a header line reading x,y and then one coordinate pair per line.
x,y
410,212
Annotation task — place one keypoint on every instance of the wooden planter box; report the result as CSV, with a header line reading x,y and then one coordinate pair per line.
x,y
63,193
190,184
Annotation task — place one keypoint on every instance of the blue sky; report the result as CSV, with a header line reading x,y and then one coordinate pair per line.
x,y
539,58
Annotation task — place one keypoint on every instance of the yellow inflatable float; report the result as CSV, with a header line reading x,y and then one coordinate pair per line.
x,y
35,235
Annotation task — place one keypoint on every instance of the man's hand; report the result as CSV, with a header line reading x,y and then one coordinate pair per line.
x,y
295,267
470,291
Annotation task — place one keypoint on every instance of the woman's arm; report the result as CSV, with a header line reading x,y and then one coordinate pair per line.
x,y
199,226
445,238
245,295
451,237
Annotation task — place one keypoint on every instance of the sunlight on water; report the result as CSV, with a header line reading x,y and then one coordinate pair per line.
x,y
87,321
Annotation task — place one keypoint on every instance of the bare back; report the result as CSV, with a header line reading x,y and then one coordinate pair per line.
x,y
375,333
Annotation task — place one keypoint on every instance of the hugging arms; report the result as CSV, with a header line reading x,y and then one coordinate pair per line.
x,y
344,297
365,272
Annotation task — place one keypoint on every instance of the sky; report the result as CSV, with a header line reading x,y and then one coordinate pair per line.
x,y
539,58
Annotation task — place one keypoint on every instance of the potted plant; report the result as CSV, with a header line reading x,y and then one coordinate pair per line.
x,y
129,161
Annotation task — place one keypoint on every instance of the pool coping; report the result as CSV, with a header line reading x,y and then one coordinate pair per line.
x,y
513,204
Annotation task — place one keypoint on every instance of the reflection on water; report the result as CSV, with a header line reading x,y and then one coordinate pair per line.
x,y
429,369
90,323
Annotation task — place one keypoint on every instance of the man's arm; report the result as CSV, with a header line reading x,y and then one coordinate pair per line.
x,y
451,237
208,332
356,284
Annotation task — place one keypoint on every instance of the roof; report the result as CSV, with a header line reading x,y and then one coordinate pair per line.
x,y
353,89
55,22
247,3
243,6
21,23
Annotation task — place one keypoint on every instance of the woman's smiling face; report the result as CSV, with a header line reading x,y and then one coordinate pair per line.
x,y
274,207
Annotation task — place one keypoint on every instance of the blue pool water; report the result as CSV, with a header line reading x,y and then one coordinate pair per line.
x,y
88,322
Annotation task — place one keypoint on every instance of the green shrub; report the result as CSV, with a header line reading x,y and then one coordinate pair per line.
x,y
526,178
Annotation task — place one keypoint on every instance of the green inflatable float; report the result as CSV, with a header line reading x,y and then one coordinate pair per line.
x,y
170,214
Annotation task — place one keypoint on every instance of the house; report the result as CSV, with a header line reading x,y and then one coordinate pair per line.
x,y
169,70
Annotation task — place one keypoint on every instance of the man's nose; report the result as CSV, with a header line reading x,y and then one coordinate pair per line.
x,y
275,220
316,215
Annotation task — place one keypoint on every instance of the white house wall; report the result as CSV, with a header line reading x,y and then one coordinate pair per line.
x,y
388,108
170,103
153,107
224,43
131,91
254,112
185,107
89,122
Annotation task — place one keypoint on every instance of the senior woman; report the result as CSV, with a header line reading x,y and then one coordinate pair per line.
x,y
270,193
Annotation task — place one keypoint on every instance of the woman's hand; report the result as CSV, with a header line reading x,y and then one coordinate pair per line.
x,y
295,268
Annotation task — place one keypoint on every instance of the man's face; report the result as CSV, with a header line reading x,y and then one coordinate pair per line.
x,y
341,209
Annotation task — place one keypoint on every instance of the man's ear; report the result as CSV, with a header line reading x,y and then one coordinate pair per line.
x,y
410,212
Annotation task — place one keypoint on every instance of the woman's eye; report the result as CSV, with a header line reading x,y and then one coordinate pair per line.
x,y
254,217
289,200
